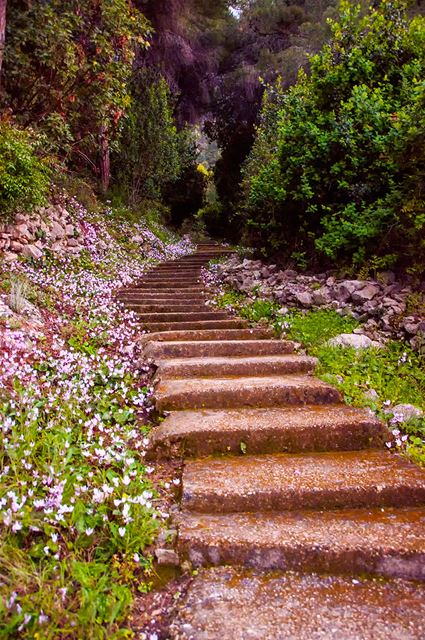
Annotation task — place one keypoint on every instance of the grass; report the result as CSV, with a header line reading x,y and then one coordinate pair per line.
x,y
377,378
78,507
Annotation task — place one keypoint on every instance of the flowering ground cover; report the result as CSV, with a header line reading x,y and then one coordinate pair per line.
x,y
78,507
382,379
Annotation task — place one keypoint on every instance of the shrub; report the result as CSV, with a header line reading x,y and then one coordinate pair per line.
x,y
337,166
24,177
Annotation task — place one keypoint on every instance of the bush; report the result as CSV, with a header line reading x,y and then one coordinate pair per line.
x,y
24,177
337,167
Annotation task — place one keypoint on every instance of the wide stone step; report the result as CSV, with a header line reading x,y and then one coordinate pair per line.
x,y
218,393
172,280
387,542
236,604
302,481
200,325
162,307
210,334
235,366
137,294
206,349
182,316
274,430
168,286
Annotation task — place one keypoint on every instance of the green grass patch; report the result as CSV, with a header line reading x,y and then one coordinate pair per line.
x,y
376,378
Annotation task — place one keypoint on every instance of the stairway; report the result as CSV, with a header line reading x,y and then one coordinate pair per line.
x,y
303,525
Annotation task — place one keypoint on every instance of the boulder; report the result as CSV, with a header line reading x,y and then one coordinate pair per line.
x,y
357,341
321,296
31,251
57,231
304,298
367,293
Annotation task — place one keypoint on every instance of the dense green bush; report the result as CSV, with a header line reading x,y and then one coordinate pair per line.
x,y
24,177
336,172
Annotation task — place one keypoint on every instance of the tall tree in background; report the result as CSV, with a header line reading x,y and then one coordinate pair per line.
x,y
3,5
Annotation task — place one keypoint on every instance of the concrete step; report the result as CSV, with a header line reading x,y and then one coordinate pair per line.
x,y
283,481
168,286
168,304
235,366
235,604
182,316
165,307
273,430
207,348
217,335
387,542
159,295
220,393
202,325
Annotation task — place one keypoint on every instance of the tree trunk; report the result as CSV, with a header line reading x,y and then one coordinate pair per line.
x,y
105,161
3,4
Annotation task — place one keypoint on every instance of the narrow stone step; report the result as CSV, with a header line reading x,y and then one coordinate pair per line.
x,y
171,280
205,324
235,366
209,334
274,430
206,349
199,393
182,316
387,542
302,481
235,604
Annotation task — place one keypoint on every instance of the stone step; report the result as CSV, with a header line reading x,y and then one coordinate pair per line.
x,y
202,325
162,307
217,335
170,280
274,430
182,316
284,481
205,393
235,366
159,295
387,542
168,286
235,604
179,303
206,349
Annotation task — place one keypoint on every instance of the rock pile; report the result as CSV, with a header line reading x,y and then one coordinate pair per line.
x,y
48,228
381,304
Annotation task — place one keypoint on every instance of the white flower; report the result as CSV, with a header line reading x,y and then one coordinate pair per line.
x,y
136,557
121,531
89,531
126,481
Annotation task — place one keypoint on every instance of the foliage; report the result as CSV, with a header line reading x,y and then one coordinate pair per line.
x,y
149,150
341,171
396,374
78,509
66,70
24,177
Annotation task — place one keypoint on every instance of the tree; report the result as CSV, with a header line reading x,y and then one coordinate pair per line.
x,y
3,5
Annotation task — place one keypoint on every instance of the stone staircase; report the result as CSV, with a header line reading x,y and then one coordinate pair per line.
x,y
290,502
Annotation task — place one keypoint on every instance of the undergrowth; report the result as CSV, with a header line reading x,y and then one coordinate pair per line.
x,y
376,378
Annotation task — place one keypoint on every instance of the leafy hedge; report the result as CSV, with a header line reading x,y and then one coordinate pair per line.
x,y
337,168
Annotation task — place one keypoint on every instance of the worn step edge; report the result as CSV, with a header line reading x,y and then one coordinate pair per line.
x,y
386,542
296,429
206,393
210,335
204,324
331,480
209,367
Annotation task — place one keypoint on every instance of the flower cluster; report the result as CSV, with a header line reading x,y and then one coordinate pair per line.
x,y
74,395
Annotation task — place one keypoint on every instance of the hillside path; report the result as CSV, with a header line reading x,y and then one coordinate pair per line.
x,y
301,523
